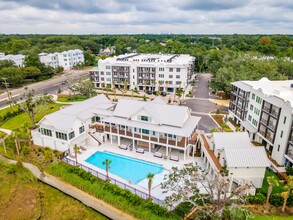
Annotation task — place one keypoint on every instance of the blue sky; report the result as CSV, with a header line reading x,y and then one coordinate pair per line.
x,y
146,16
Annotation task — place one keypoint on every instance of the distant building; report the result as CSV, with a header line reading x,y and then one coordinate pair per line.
x,y
264,108
154,72
18,59
66,59
108,51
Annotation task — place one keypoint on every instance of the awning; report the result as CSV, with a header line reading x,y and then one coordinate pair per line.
x,y
248,126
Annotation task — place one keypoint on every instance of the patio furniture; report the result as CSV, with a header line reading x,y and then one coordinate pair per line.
x,y
158,154
123,147
140,150
174,158
83,147
72,155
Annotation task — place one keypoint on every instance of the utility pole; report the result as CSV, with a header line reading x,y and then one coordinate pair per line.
x,y
6,84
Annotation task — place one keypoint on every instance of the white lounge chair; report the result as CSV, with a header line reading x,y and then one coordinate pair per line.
x,y
174,158
123,147
140,150
158,154
83,148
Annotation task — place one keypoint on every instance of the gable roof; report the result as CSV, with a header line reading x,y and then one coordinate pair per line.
x,y
246,157
231,139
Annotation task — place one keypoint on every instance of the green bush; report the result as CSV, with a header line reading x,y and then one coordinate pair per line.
x,y
11,169
289,171
276,199
258,199
155,208
290,200
183,209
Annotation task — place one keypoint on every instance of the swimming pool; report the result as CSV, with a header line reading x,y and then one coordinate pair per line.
x,y
126,167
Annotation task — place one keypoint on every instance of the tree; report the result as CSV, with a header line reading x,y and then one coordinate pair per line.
x,y
28,133
15,135
124,88
76,150
166,84
84,88
32,104
288,187
182,186
150,177
272,181
107,163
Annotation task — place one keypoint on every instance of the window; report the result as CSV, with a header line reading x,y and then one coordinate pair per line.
x,y
249,117
278,148
170,76
144,118
102,72
108,67
281,135
102,79
161,75
46,132
285,120
177,76
178,70
251,107
108,79
178,82
144,131
154,133
253,96
161,69
81,129
71,135
96,119
170,82
108,73
170,69
61,135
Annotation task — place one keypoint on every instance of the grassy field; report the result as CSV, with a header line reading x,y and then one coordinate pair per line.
x,y
272,218
5,110
23,118
276,189
76,99
23,197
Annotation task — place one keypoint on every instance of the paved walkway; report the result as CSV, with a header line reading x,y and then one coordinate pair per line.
x,y
90,201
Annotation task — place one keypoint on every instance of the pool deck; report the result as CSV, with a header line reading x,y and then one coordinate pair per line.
x,y
149,157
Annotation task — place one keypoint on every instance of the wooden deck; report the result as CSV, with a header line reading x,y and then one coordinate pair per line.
x,y
211,153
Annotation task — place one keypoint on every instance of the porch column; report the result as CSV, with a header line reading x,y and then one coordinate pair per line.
x,y
133,141
118,140
185,142
193,149
150,141
111,138
158,137
184,156
167,139
176,141
125,130
167,151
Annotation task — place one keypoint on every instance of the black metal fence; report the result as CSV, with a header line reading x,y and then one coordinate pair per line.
x,y
114,181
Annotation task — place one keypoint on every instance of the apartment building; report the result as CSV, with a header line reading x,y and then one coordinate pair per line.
x,y
18,59
130,122
66,59
264,108
153,72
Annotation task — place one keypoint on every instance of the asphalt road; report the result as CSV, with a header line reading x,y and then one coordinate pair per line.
x,y
200,105
48,86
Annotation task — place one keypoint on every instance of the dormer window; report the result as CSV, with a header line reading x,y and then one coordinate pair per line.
x,y
144,118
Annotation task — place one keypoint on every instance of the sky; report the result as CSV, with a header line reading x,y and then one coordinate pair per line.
x,y
146,16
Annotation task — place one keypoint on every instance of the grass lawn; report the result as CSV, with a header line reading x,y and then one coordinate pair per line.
x,y
23,118
76,99
23,197
276,189
271,218
5,110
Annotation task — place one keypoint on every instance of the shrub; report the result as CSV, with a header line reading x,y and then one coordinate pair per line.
x,y
11,169
290,200
258,199
276,199
25,150
41,150
157,209
289,171
183,209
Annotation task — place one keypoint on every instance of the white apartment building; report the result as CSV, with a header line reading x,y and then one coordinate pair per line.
x,y
154,72
134,123
233,152
66,59
18,59
264,108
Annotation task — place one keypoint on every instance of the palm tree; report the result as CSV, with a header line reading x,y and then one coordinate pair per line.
x,y
28,133
76,150
107,163
132,92
103,85
166,83
124,87
153,85
272,181
288,187
150,177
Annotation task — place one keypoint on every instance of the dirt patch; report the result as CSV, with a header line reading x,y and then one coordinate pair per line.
x,y
223,102
264,210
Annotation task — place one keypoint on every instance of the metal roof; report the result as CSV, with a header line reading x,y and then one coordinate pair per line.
x,y
231,139
248,126
246,157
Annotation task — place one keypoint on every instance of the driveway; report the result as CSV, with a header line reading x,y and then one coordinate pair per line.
x,y
200,105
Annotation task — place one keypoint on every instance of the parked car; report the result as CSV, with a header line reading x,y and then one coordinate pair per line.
x,y
163,94
149,92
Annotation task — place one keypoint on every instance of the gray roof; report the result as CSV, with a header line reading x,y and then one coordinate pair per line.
x,y
276,101
242,85
64,118
246,157
161,112
248,126
231,139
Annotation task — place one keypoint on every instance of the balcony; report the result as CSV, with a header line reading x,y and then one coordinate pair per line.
x,y
272,126
274,113
266,109
262,132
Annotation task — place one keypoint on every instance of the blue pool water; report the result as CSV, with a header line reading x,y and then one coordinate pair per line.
x,y
126,167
